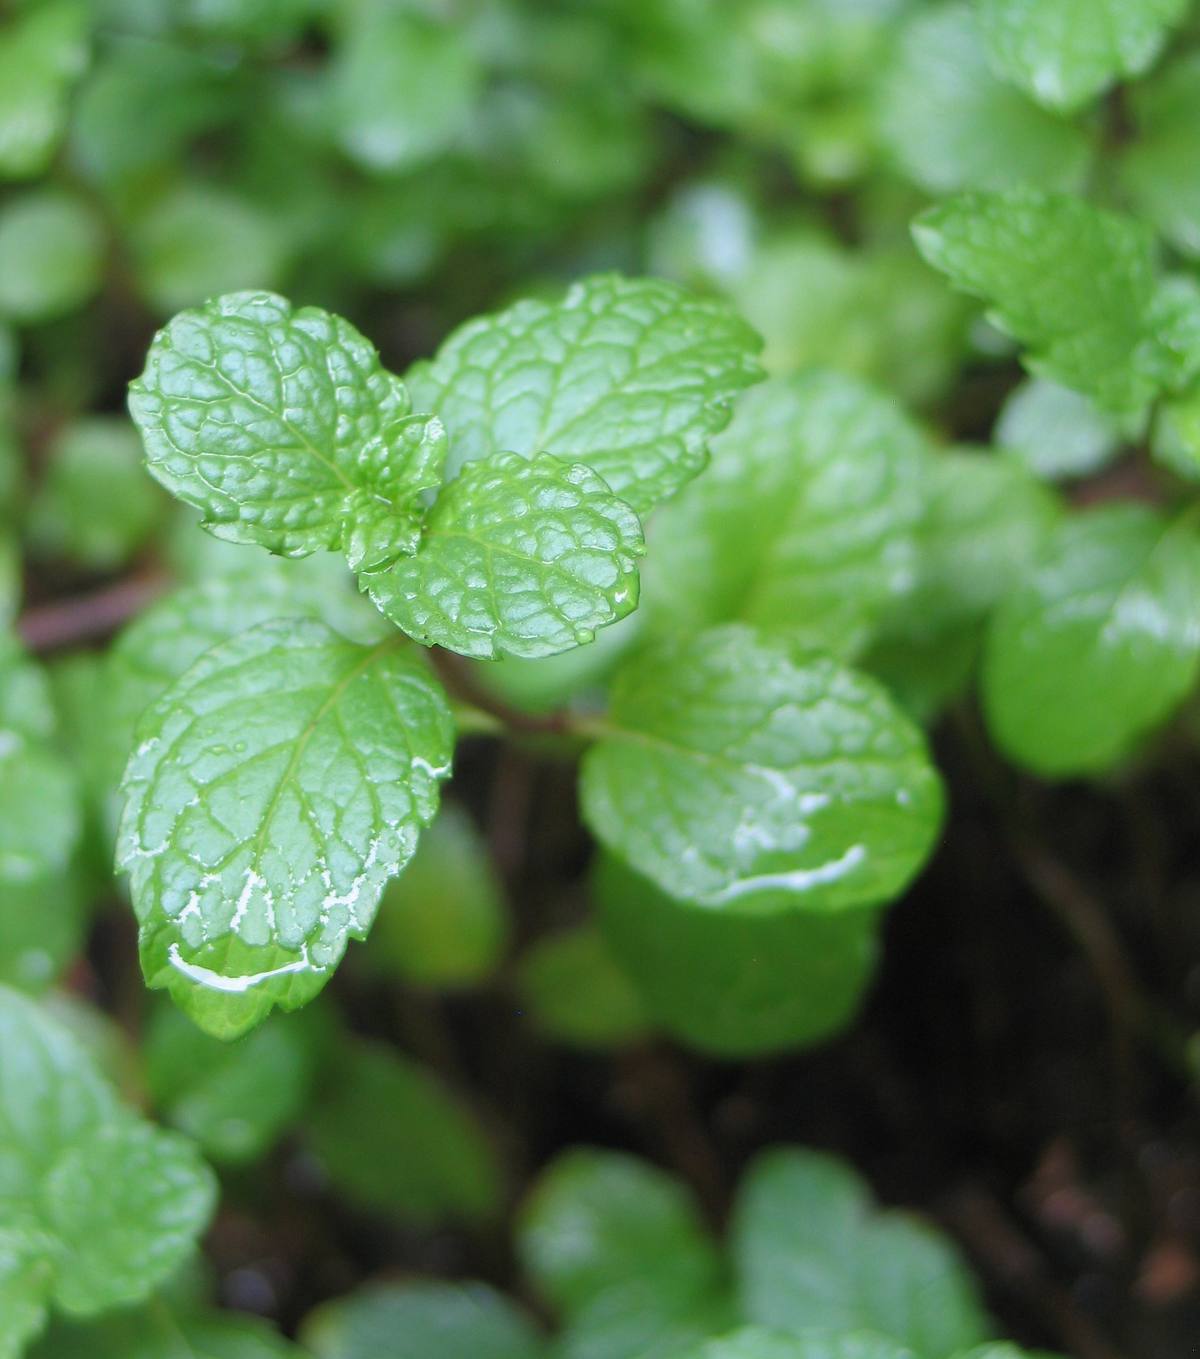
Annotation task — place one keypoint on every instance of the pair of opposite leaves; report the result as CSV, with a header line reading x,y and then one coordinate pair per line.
x,y
284,778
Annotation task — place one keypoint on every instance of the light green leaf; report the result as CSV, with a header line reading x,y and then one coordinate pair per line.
x,y
402,86
651,1317
98,1207
395,1141
728,766
199,241
433,1320
578,993
986,522
157,647
805,522
155,1333
42,927
42,53
756,1342
1055,432
1063,53
235,1099
51,255
1099,645
1072,283
597,1220
443,922
630,376
812,1253
735,984
1159,168
275,789
1175,435
283,428
95,462
519,558
949,123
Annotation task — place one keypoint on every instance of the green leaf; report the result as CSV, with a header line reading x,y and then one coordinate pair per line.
x,y
275,789
651,1317
1072,283
986,522
42,53
519,558
1055,432
42,926
155,1333
282,427
597,1220
630,376
51,255
950,124
756,1342
812,1253
199,241
98,1207
735,984
422,1321
443,922
578,993
1159,168
157,647
402,85
394,1140
1100,643
95,462
806,520
728,766
1063,53
235,1099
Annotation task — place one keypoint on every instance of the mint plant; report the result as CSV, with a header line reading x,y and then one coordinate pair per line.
x,y
598,679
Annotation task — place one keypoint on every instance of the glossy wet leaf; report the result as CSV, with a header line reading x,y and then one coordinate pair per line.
x,y
275,788
394,1140
729,767
578,993
735,984
806,520
284,429
98,1207
812,1253
1099,645
518,558
422,1320
1073,283
950,123
597,1220
1063,53
630,376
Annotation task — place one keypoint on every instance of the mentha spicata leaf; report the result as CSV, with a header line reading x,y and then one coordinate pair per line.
x,y
520,557
757,1342
284,429
97,1207
1071,282
1065,52
630,376
276,787
1099,644
734,772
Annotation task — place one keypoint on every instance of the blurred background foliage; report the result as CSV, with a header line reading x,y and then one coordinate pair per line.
x,y
409,163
